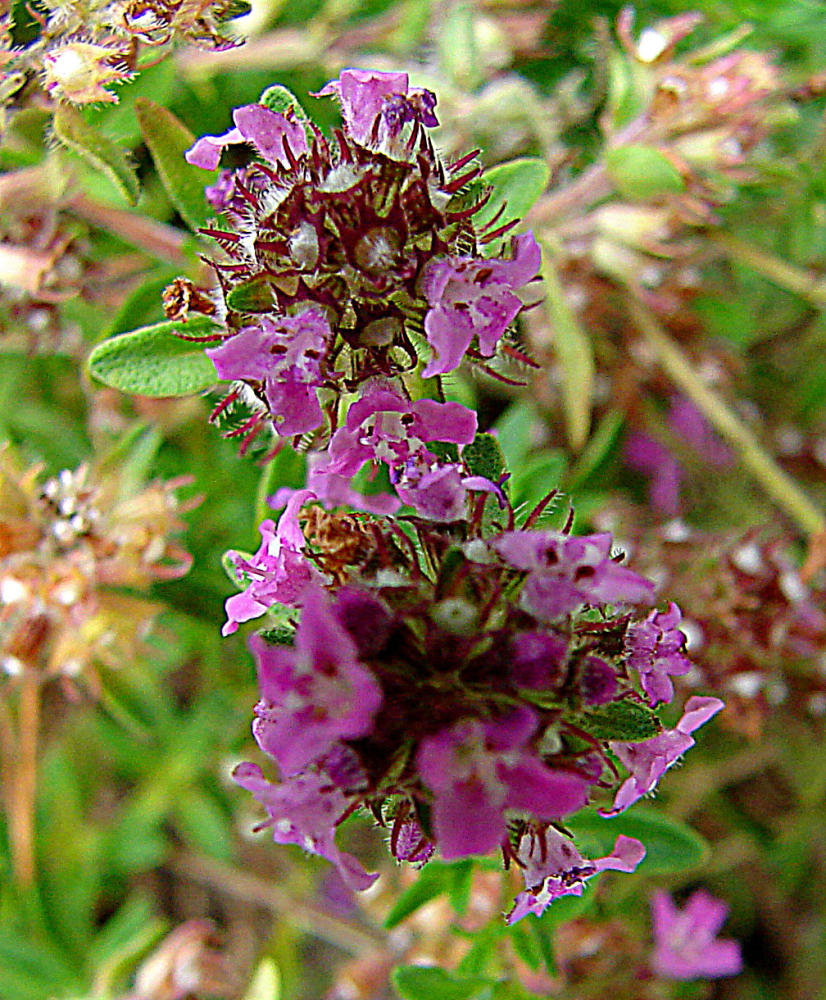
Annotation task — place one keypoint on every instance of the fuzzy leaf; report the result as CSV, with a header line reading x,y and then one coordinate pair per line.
x,y
73,131
517,185
621,720
483,457
279,98
167,139
255,295
154,362
642,172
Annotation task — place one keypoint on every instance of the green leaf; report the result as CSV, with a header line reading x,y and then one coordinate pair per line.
x,y
526,945
670,845
642,172
154,362
73,131
483,457
167,139
621,720
421,982
575,354
279,98
517,186
255,295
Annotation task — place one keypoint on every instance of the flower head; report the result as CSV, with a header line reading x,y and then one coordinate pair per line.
x,y
685,945
372,236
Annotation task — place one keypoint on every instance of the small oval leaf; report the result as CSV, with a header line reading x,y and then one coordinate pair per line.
x,y
642,172
167,139
517,185
154,362
74,132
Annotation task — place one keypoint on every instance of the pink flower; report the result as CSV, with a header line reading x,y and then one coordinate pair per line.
x,y
649,760
553,867
376,105
469,298
477,770
383,426
313,693
278,572
655,651
286,354
256,124
305,810
566,572
684,940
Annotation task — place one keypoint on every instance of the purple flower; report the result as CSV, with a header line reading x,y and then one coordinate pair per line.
x,y
645,454
684,940
305,810
598,683
278,572
314,693
367,95
536,659
692,426
649,760
553,867
477,770
256,124
286,354
655,651
470,297
566,572
383,426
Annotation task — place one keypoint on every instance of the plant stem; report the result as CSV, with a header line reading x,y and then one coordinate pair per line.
x,y
24,780
798,280
780,486
307,916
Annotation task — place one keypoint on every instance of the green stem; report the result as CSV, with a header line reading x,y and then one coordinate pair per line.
x,y
797,280
780,486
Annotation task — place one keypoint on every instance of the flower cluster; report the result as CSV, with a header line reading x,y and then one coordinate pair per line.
x,y
84,49
466,680
65,543
350,261
467,686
